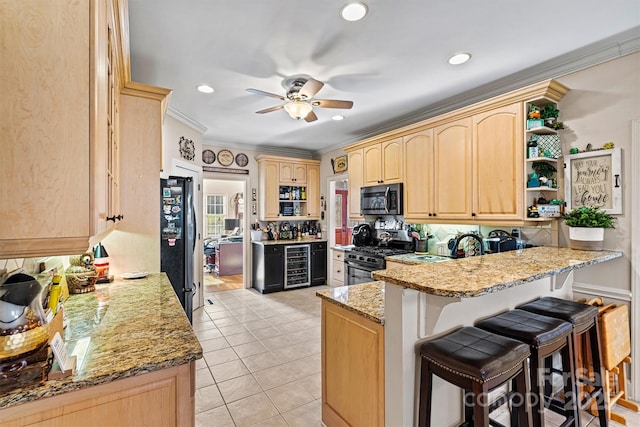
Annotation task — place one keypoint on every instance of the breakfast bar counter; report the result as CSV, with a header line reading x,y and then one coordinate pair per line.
x,y
139,346
432,299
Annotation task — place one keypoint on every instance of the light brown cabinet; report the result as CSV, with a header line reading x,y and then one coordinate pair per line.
x,y
160,398
418,172
355,160
466,169
452,170
293,173
383,162
313,191
44,119
294,196
61,167
352,365
466,166
498,164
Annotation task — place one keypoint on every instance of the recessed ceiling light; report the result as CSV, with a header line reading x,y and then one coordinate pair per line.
x,y
353,11
459,58
204,88
338,117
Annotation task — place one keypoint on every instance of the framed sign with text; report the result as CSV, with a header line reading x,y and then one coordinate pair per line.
x,y
594,179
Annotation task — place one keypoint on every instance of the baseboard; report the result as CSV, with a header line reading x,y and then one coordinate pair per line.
x,y
601,291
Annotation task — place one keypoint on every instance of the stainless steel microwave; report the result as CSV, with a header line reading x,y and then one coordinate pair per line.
x,y
381,200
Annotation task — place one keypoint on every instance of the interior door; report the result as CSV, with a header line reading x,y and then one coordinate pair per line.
x,y
195,172
343,234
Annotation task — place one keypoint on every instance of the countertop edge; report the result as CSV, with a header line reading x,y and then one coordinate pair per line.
x,y
496,287
367,299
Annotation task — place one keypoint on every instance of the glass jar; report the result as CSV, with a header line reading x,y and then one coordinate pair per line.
x,y
22,319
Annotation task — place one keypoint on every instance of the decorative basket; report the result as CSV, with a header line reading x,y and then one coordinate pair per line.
x,y
81,282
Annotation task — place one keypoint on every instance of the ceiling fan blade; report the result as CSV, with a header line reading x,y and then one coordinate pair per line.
x,y
310,88
332,103
268,110
311,117
261,92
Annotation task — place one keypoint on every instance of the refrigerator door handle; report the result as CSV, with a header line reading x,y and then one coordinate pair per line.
x,y
195,226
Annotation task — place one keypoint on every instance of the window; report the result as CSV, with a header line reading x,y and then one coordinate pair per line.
x,y
215,213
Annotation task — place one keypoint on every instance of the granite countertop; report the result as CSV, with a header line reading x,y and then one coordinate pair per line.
x,y
480,275
290,241
134,326
410,258
365,299
342,248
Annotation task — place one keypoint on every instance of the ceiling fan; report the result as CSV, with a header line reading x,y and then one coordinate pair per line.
x,y
299,97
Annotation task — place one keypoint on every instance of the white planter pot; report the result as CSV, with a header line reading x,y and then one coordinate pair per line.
x,y
585,238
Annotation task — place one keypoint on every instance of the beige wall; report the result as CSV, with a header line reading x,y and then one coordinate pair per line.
x,y
600,106
172,130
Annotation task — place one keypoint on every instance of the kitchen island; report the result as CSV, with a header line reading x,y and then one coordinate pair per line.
x,y
353,355
432,299
138,367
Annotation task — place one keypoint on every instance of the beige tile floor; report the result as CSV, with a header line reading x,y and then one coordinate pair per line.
x,y
261,364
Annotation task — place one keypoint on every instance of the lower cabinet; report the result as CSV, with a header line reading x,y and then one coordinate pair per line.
x,y
160,398
318,263
267,267
337,272
352,368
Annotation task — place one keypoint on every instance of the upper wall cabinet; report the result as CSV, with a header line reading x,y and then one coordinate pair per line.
x,y
418,175
498,164
45,121
466,166
293,173
355,160
60,114
289,189
383,162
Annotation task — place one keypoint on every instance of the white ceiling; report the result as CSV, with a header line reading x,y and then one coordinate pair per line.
x,y
392,64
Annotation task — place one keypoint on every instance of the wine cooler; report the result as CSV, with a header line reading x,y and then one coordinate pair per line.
x,y
297,266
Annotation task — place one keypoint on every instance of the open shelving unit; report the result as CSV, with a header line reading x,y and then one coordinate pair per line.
x,y
532,192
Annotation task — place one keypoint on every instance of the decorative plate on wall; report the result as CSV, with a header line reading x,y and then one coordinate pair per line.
x,y
242,160
208,156
225,157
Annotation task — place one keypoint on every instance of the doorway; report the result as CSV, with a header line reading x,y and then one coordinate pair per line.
x,y
338,230
224,233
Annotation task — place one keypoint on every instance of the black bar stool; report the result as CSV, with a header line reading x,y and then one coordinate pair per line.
x,y
477,361
584,318
545,337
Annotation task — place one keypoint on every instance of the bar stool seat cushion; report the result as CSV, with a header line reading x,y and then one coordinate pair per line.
x,y
574,312
476,354
534,329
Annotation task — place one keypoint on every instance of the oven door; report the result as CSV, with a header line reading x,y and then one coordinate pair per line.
x,y
355,274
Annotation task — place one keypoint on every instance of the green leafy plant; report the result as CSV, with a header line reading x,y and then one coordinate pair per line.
x,y
544,169
587,216
549,111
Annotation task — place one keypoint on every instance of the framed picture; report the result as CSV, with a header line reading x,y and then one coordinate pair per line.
x,y
594,179
339,164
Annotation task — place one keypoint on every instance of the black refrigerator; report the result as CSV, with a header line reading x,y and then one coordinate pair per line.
x,y
178,236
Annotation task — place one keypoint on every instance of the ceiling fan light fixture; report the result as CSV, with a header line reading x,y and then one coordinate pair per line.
x,y
338,117
459,58
298,109
205,88
353,11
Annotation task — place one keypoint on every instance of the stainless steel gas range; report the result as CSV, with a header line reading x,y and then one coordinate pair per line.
x,y
362,260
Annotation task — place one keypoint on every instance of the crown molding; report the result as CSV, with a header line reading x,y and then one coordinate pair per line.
x,y
186,120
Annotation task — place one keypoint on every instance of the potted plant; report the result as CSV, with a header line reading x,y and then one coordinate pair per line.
x,y
586,227
549,114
